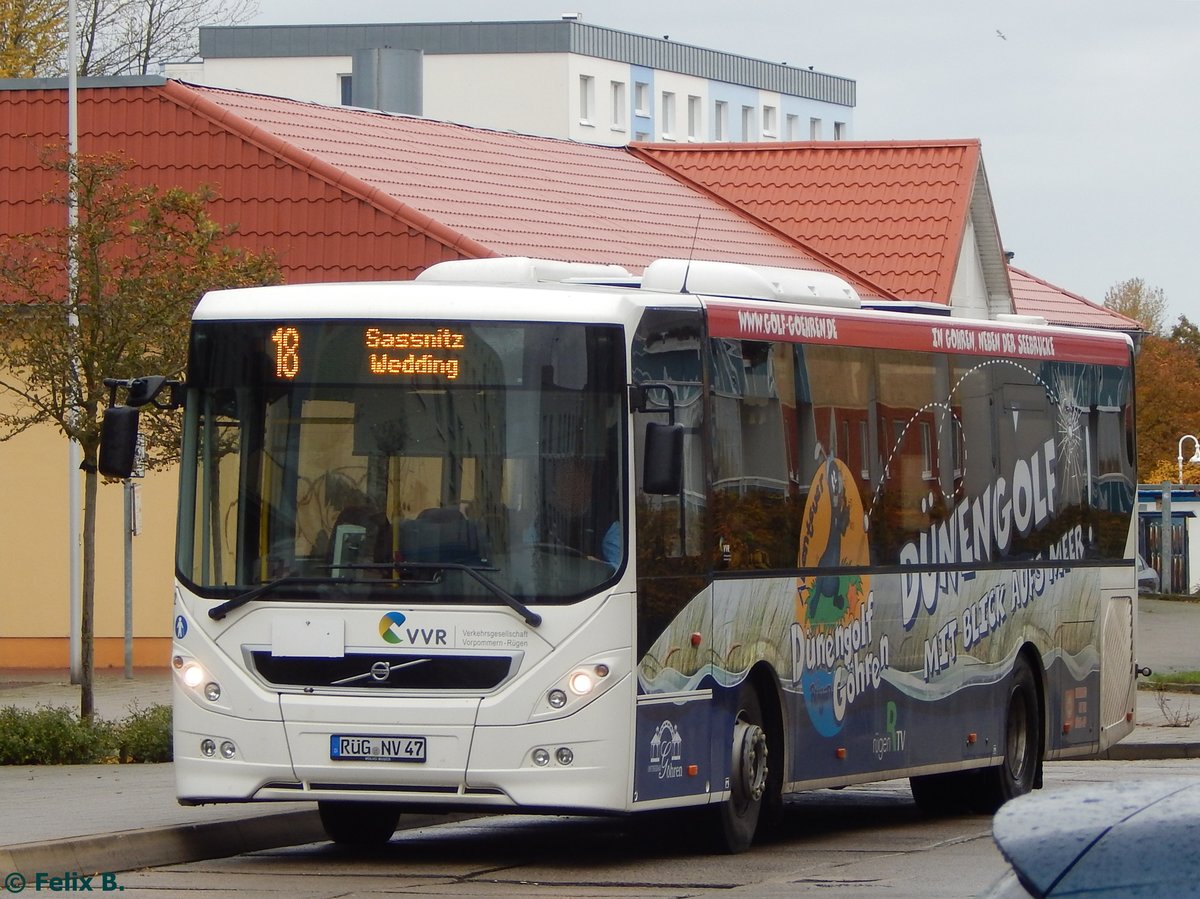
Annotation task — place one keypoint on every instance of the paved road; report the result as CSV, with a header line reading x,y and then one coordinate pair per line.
x,y
1168,637
859,842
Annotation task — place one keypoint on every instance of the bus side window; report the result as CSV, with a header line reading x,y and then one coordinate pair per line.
x,y
668,450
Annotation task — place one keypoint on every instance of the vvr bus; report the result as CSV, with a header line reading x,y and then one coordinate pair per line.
x,y
534,536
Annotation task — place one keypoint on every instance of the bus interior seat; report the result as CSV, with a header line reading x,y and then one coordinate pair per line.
x,y
441,535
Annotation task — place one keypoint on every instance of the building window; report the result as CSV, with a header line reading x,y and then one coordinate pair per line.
x,y
769,121
587,99
839,130
641,98
814,129
695,116
721,120
668,115
617,92
747,123
346,89
793,127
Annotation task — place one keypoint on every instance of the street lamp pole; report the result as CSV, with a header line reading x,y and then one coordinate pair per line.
x,y
1195,455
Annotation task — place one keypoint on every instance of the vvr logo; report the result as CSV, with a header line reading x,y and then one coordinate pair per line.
x,y
389,627
392,631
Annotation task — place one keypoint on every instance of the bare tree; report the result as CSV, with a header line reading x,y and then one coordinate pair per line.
x,y
126,37
1137,300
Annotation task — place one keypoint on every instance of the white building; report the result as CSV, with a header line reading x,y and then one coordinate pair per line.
x,y
558,78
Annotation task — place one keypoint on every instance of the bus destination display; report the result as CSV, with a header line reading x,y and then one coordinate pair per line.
x,y
399,354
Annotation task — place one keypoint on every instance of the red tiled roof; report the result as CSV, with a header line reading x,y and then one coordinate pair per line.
x,y
1033,296
318,231
511,194
895,212
345,194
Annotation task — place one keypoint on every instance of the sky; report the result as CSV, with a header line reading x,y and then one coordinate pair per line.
x,y
1088,112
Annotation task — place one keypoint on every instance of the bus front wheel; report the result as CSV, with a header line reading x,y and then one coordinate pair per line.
x,y
359,823
750,781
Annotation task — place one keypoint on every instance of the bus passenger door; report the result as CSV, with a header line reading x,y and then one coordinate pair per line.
x,y
674,591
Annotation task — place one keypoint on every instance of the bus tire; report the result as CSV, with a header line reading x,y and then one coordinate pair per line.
x,y
751,783
1017,773
358,823
941,795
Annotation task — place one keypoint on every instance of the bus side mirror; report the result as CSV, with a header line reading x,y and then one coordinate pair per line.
x,y
662,463
118,441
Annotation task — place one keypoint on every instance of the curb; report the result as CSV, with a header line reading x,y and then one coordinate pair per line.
x,y
1148,752
178,844
151,847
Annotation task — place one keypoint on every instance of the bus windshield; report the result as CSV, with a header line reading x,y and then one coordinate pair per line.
x,y
380,460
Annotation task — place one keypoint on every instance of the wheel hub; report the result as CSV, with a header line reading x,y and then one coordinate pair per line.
x,y
749,761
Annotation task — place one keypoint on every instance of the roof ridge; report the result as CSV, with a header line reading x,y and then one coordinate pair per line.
x,y
193,97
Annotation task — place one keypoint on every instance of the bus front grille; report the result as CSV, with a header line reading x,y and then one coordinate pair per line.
x,y
412,671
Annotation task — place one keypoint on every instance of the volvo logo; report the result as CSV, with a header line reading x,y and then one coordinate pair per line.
x,y
379,672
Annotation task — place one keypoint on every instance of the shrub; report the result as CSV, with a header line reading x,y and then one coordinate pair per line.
x,y
145,735
52,736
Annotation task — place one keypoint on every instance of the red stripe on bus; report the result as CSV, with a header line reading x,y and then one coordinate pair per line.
x,y
955,336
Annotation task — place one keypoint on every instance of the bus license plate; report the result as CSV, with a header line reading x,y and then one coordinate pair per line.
x,y
347,748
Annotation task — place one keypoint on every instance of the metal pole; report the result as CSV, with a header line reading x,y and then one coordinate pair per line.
x,y
1164,543
129,578
74,450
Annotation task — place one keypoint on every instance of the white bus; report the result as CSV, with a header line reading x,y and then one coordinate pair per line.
x,y
527,536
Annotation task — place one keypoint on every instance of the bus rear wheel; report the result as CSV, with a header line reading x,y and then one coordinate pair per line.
x,y
359,823
1017,773
751,784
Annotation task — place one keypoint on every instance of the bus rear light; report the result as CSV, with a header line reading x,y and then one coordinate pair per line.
x,y
971,738
841,752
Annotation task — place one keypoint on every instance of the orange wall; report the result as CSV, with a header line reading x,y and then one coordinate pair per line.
x,y
35,559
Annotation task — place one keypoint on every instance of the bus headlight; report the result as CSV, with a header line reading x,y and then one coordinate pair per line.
x,y
212,691
581,683
557,698
208,747
193,675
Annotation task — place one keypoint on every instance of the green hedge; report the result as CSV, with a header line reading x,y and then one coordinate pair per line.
x,y
56,736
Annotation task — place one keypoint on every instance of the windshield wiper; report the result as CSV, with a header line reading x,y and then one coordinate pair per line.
x,y
532,618
219,612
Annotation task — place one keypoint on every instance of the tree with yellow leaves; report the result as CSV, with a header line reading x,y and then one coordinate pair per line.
x,y
33,36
